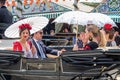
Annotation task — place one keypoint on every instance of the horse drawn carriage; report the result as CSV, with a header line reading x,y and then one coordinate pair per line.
x,y
71,65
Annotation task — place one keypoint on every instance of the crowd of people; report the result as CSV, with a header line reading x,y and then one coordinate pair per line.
x,y
91,38
6,18
32,45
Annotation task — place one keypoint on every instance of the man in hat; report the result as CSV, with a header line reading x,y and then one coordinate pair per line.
x,y
6,17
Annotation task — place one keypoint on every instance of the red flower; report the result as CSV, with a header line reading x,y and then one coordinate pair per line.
x,y
108,26
26,25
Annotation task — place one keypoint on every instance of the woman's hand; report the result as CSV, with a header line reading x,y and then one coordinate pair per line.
x,y
75,47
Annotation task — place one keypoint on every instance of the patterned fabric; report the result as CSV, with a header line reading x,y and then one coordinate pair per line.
x,y
28,53
80,43
111,43
45,49
41,50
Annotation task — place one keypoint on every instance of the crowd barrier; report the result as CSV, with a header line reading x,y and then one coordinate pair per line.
x,y
71,65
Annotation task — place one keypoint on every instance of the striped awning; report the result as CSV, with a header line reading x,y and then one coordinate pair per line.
x,y
48,15
115,17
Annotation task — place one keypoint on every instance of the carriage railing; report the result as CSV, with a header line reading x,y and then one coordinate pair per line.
x,y
90,64
71,64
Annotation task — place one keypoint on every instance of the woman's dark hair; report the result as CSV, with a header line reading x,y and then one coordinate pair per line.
x,y
50,26
110,32
65,26
23,27
21,30
116,29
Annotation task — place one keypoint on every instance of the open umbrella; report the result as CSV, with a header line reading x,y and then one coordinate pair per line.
x,y
73,17
100,19
37,23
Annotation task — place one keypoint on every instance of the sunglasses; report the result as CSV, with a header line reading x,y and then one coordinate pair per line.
x,y
41,32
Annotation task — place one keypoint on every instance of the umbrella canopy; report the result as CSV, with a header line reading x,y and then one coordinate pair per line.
x,y
73,17
100,19
37,23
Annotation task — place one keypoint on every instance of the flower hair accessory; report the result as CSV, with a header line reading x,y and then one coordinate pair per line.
x,y
25,26
108,26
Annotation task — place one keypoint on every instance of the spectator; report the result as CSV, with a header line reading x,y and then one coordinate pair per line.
x,y
117,36
117,40
52,32
6,18
92,38
91,35
81,42
66,29
109,35
5,15
81,38
50,26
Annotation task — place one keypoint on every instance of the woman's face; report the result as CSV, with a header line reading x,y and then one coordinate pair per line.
x,y
82,36
24,34
87,34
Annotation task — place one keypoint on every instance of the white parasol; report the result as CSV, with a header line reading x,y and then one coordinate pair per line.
x,y
73,17
100,19
37,23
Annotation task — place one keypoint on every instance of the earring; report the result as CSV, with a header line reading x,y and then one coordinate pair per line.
x,y
90,38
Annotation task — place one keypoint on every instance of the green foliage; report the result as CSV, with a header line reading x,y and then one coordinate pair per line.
x,y
81,28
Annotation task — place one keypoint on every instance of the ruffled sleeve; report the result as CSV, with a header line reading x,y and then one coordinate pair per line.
x,y
17,46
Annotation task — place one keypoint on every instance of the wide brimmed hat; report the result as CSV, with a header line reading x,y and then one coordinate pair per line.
x,y
37,23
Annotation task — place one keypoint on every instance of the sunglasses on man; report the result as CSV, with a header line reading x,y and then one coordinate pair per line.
x,y
41,32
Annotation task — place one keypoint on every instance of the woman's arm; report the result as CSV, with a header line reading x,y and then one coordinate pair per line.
x,y
33,49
